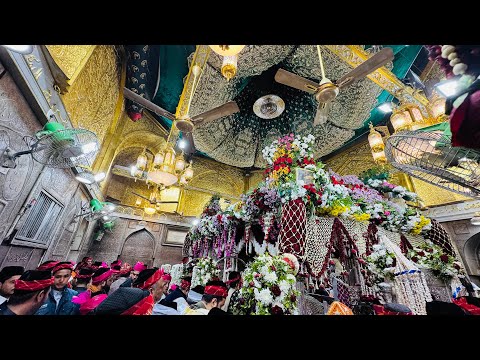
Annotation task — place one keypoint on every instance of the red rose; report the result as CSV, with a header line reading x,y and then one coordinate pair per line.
x,y
444,258
293,298
429,250
273,268
420,253
275,290
257,275
331,262
251,283
456,266
276,310
414,259
354,251
276,167
289,160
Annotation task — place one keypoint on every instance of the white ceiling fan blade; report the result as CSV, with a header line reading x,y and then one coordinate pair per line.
x,y
370,65
226,109
129,94
297,82
321,116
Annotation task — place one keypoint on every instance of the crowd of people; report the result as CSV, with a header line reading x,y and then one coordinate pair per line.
x,y
96,288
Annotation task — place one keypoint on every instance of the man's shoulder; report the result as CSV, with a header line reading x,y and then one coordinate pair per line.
x,y
71,292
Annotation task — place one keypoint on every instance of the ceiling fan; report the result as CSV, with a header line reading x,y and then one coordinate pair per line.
x,y
326,91
186,125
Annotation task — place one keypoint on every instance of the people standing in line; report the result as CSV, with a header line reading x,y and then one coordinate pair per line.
x,y
8,276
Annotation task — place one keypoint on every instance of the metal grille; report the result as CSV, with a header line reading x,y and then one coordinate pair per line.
x,y
40,220
428,156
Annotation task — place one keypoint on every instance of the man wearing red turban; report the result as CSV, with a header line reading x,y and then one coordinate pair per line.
x,y
59,300
31,290
214,296
156,282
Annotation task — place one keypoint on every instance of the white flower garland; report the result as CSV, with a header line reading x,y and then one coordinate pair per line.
x,y
204,271
410,285
176,272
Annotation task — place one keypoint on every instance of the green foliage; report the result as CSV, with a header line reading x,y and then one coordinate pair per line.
x,y
375,173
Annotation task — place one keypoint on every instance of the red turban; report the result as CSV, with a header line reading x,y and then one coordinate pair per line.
x,y
143,307
47,265
216,290
62,265
102,277
33,285
151,280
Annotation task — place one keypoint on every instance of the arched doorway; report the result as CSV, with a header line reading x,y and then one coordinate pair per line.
x,y
138,247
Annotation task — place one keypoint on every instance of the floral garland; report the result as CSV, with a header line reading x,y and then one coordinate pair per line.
x,y
431,256
177,272
204,270
381,262
396,191
269,287
323,193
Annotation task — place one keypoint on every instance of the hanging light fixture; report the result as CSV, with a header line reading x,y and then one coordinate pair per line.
x,y
142,160
166,168
229,66
379,157
227,50
407,116
375,139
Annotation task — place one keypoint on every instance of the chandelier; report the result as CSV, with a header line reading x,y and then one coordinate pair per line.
x,y
166,169
406,116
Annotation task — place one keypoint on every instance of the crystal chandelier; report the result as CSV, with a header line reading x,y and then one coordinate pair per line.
x,y
166,169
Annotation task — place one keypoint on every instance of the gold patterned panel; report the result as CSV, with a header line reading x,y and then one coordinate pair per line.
x,y
433,195
255,178
71,58
91,100
352,161
194,202
214,176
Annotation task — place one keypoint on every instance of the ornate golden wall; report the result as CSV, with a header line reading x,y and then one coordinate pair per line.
x,y
358,158
92,99
71,58
212,177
